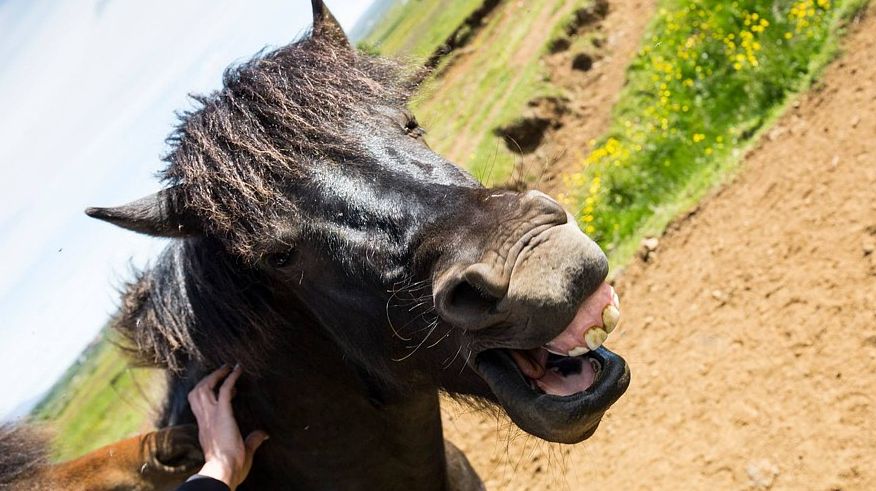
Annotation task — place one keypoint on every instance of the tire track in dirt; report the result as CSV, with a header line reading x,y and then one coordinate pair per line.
x,y
751,332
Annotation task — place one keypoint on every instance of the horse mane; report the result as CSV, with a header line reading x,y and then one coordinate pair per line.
x,y
199,305
234,157
22,453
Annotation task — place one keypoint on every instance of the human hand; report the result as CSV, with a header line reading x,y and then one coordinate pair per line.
x,y
228,457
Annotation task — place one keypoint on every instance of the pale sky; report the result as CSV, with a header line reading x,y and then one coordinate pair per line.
x,y
88,90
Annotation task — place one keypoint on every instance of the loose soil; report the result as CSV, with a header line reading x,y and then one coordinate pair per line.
x,y
614,41
751,328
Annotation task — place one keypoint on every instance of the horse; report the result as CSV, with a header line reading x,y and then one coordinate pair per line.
x,y
155,461
355,274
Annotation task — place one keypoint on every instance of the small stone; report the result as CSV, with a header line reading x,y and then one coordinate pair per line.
x,y
651,243
856,121
762,473
720,296
776,133
648,248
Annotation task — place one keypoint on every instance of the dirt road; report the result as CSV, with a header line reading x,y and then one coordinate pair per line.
x,y
751,333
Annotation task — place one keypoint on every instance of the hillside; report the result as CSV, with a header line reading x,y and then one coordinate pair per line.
x,y
750,330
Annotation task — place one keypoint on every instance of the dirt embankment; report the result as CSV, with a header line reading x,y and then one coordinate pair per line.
x,y
462,34
588,63
751,330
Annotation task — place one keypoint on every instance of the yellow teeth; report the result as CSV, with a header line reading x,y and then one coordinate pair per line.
x,y
614,298
610,318
580,350
594,337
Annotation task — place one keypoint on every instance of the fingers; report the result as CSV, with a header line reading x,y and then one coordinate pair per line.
x,y
254,440
202,393
210,381
226,392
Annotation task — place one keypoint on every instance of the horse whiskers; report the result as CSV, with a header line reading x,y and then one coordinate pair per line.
x,y
389,321
395,294
418,305
467,358
419,316
445,365
433,325
442,338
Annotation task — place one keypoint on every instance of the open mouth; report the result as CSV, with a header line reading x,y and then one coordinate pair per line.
x,y
556,374
559,391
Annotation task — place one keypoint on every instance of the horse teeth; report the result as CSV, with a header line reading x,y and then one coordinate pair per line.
x,y
610,317
595,337
614,298
580,350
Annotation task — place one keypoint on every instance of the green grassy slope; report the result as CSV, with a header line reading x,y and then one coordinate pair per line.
x,y
99,400
710,76
490,85
416,28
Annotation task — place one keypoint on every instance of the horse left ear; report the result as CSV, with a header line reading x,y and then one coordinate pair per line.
x,y
326,26
160,215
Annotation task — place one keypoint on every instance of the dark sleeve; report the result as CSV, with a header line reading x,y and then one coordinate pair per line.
x,y
203,483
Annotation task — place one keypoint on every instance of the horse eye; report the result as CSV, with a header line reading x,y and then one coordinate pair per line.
x,y
280,259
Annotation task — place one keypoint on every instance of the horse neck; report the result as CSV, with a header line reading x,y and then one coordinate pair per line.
x,y
339,429
332,426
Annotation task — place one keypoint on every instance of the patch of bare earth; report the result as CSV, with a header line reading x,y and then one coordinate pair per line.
x,y
750,330
590,75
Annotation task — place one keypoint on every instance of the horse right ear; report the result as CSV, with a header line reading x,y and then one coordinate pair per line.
x,y
326,26
159,215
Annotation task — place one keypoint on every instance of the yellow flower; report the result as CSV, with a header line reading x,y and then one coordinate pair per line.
x,y
698,137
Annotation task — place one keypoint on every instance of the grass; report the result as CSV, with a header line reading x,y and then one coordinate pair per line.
x,y
416,28
461,108
709,77
98,401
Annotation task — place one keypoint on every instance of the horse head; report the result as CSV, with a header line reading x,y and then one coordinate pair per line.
x,y
305,187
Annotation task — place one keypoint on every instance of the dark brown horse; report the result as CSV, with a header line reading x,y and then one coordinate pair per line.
x,y
355,273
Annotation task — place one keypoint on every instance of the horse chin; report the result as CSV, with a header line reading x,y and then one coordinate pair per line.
x,y
566,403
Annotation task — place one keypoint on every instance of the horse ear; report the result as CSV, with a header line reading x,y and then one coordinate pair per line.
x,y
326,26
159,215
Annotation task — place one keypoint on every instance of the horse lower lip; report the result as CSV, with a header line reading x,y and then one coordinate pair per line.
x,y
562,419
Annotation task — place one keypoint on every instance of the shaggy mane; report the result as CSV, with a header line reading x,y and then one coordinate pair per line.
x,y
197,304
232,156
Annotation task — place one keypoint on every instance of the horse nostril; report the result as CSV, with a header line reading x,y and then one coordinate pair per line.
x,y
466,297
471,297
467,305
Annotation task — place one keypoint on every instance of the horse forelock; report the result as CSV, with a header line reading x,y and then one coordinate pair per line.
x,y
235,156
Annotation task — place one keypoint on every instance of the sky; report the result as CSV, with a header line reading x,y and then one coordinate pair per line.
x,y
88,93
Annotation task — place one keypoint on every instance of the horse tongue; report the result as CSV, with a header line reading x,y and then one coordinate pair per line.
x,y
531,362
555,383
